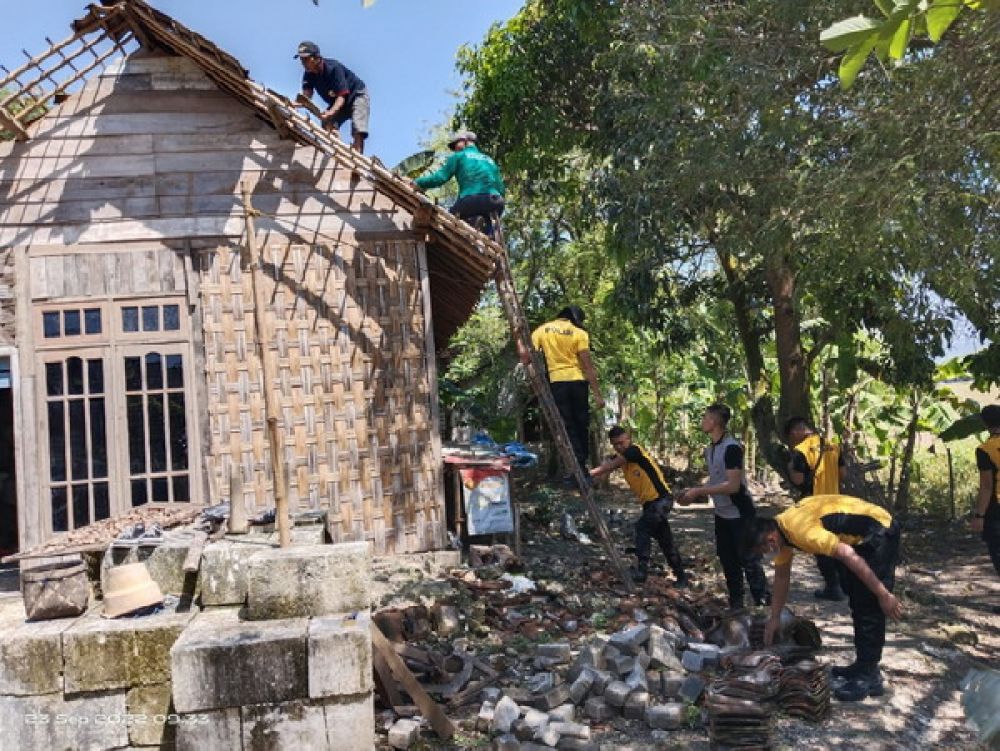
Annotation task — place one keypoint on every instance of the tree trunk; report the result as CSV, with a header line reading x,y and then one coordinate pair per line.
x,y
792,371
902,503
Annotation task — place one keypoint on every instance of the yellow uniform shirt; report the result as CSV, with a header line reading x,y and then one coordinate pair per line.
x,y
823,465
561,342
819,523
644,475
991,451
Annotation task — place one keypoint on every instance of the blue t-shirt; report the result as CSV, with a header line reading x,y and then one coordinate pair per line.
x,y
334,80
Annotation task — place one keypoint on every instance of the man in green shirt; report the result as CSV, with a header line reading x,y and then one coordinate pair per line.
x,y
480,187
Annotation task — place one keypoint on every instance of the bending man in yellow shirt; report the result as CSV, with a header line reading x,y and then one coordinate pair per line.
x,y
646,480
864,540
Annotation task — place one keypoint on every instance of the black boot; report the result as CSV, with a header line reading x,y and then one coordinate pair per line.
x,y
844,672
640,572
681,580
867,681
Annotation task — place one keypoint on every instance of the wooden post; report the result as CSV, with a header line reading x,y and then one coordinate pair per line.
x,y
951,483
271,407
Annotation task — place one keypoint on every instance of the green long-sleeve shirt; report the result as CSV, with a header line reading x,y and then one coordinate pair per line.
x,y
476,174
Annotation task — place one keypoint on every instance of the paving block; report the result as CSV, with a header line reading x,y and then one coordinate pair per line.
x,y
552,698
635,705
601,680
710,653
340,656
630,640
654,681
404,733
665,716
598,709
581,687
222,662
693,662
691,688
222,578
31,655
563,713
572,729
672,682
616,693
219,730
535,719
484,720
662,647
568,743
55,723
504,714
506,742
308,581
622,665
560,651
590,656
350,722
548,736
522,730
637,678
102,654
150,706
289,726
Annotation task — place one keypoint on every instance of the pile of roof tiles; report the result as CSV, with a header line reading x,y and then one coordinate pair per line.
x,y
741,703
805,690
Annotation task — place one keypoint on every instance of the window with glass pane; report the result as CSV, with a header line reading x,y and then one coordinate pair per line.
x,y
78,446
156,420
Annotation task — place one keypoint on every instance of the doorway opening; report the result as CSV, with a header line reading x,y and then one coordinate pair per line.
x,y
8,479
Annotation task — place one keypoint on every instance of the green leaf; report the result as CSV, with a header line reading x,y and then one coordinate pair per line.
x,y
900,40
849,33
962,428
415,164
940,16
852,63
885,6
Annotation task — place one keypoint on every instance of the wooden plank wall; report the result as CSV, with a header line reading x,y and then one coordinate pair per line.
x,y
151,153
348,328
8,318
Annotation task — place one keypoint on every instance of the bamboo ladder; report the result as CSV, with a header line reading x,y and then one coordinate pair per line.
x,y
540,385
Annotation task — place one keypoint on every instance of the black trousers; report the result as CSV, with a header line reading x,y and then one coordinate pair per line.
x,y
572,401
482,205
881,553
654,525
829,569
735,567
991,533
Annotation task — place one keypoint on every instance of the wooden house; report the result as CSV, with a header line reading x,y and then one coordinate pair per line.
x,y
142,167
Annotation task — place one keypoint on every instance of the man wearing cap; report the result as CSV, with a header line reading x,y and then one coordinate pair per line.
x,y
344,93
986,517
480,187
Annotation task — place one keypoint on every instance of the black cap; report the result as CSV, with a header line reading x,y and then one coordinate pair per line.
x,y
306,49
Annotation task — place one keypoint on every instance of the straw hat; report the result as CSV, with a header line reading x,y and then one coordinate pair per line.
x,y
130,587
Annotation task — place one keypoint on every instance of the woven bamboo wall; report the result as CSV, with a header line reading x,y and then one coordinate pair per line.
x,y
7,334
348,328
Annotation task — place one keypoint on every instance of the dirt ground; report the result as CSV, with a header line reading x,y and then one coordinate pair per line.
x,y
945,581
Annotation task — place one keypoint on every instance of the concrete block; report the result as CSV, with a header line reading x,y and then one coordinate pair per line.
x,y
709,653
662,647
522,730
506,742
102,654
289,726
340,656
637,678
350,722
563,713
308,581
484,720
31,656
559,651
665,716
601,680
552,698
165,563
622,665
54,723
150,706
504,714
539,683
598,709
654,681
222,662
590,656
222,578
568,743
219,730
693,662
635,705
548,736
616,693
630,640
536,719
581,687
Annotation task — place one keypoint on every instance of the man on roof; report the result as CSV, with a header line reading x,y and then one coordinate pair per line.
x,y
481,189
864,540
345,94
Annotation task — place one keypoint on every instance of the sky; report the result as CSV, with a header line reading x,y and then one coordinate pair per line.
x,y
404,50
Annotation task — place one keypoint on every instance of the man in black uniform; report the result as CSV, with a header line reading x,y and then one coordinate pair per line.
x,y
344,93
646,480
986,517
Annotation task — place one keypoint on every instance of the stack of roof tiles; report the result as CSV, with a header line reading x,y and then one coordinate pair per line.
x,y
805,690
741,703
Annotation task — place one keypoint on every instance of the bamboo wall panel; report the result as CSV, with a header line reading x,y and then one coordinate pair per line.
x,y
347,327
7,300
